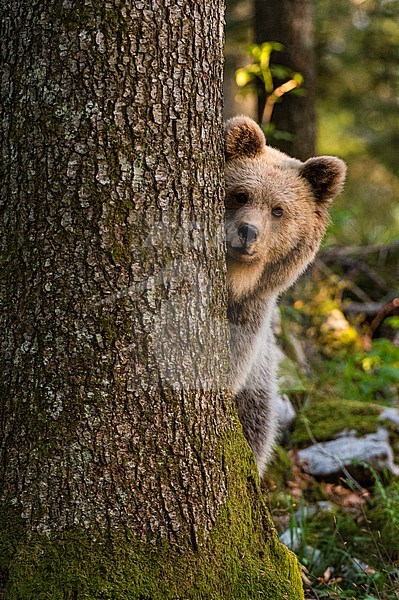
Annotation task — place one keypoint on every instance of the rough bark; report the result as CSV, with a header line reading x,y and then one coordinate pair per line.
x,y
124,473
291,23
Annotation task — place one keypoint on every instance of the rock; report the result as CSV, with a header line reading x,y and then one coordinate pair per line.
x,y
324,506
293,539
330,458
347,433
390,414
359,564
310,510
286,413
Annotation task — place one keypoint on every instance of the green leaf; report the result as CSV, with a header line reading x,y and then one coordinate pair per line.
x,y
280,71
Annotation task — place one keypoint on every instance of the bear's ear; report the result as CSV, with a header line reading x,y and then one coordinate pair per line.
x,y
326,175
243,138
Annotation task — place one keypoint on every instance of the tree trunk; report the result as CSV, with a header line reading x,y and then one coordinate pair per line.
x,y
291,23
124,472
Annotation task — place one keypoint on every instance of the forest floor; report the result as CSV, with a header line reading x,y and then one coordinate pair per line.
x,y
339,331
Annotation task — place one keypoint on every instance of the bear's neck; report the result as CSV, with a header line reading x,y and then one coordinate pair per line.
x,y
250,312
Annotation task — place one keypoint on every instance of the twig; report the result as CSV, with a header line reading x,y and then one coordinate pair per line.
x,y
368,308
384,312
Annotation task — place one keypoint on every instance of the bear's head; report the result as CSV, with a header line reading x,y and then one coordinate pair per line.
x,y
276,210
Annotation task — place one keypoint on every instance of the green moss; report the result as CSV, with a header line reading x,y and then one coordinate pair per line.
x,y
241,560
74,567
279,471
325,418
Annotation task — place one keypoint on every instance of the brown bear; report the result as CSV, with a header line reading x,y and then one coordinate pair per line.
x,y
276,216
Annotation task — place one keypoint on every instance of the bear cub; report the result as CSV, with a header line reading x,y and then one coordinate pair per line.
x,y
276,216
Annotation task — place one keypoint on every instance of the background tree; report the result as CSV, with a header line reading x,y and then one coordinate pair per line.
x,y
239,19
358,57
124,472
291,23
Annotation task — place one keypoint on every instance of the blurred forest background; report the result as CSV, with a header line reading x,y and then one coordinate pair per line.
x,y
322,77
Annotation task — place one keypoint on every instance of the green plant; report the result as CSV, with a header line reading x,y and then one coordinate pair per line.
x,y
356,368
384,515
368,376
258,78
347,545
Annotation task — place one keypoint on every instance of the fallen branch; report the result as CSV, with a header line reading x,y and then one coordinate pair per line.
x,y
367,308
338,251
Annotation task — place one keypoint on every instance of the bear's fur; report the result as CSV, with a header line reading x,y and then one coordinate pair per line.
x,y
276,216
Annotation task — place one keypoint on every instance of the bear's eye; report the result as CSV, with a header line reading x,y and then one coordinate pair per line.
x,y
277,212
241,198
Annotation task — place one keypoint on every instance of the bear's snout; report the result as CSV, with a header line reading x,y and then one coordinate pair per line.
x,y
247,234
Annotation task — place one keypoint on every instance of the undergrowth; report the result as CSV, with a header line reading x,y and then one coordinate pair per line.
x,y
347,533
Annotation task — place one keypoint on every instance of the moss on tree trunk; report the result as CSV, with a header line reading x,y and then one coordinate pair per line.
x,y
241,559
124,472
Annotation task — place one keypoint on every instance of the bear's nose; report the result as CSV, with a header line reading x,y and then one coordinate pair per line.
x,y
247,234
